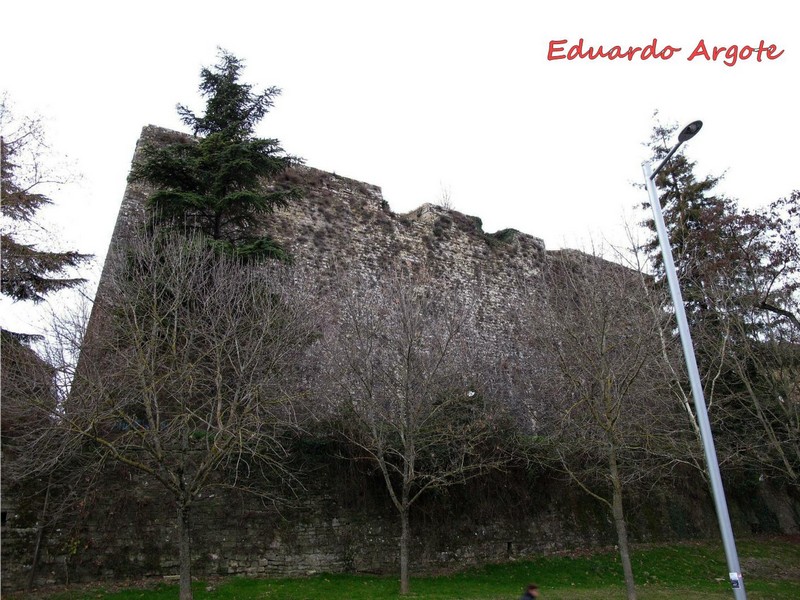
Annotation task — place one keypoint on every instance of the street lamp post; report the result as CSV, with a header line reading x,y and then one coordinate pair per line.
x,y
734,572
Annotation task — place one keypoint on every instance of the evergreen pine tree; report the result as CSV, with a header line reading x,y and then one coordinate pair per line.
x,y
699,222
214,184
28,271
752,255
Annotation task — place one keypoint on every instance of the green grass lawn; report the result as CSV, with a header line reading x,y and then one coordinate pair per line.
x,y
687,571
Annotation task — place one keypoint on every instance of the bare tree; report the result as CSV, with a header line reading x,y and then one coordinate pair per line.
x,y
611,418
400,367
739,272
445,199
754,383
185,372
752,337
739,268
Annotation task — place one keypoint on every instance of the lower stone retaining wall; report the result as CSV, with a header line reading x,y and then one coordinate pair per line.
x,y
350,526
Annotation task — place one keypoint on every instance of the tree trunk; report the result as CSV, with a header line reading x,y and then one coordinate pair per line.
x,y
404,535
184,550
767,426
619,523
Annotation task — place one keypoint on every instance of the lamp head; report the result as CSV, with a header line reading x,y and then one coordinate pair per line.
x,y
689,131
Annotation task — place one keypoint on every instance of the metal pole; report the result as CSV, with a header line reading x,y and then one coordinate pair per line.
x,y
734,572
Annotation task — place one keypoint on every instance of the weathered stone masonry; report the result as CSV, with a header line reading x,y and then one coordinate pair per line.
x,y
345,523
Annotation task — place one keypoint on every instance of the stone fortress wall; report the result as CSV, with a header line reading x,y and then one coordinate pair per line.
x,y
345,522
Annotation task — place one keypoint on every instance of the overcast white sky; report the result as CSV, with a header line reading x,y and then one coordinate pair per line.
x,y
420,96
